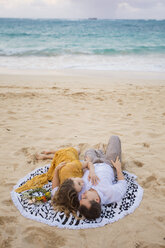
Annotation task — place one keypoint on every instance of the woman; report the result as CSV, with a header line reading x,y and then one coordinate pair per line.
x,y
65,172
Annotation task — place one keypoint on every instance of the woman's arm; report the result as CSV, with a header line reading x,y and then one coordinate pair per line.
x,y
92,176
56,180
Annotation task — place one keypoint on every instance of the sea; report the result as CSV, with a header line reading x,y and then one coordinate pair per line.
x,y
90,44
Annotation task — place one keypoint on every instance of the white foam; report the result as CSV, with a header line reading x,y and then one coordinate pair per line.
x,y
91,62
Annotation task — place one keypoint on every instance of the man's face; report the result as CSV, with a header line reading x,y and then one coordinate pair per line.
x,y
86,197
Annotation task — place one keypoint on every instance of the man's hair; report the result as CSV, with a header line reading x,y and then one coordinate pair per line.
x,y
91,213
66,198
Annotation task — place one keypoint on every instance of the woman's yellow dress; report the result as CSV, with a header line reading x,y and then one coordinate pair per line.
x,y
73,168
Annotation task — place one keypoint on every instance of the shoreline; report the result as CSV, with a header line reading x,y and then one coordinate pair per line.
x,y
82,77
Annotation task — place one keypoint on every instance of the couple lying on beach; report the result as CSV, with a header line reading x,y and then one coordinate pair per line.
x,y
83,186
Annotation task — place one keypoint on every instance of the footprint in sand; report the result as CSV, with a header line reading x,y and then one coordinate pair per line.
x,y
40,236
137,133
48,116
146,145
99,98
154,135
7,202
29,153
138,163
12,118
79,94
55,88
120,102
2,95
149,181
26,87
7,220
25,150
6,242
7,230
66,90
11,112
15,166
161,219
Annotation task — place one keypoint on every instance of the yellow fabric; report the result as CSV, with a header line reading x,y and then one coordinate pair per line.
x,y
73,168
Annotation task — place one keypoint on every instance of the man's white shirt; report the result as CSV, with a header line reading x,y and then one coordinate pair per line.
x,y
107,190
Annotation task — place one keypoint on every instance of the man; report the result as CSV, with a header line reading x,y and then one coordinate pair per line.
x,y
104,191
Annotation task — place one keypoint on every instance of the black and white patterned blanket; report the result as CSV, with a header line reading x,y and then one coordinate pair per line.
x,y
45,213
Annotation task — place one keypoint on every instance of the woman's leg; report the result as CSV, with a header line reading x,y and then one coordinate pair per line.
x,y
44,157
113,149
48,152
47,155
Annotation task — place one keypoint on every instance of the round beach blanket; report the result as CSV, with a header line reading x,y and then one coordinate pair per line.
x,y
44,212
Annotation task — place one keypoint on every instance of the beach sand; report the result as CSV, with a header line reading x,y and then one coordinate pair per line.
x,y
50,110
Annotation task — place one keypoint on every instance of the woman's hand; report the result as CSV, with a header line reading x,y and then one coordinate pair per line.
x,y
93,178
59,166
116,164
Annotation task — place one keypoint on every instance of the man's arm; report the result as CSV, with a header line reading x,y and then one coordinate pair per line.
x,y
117,166
117,190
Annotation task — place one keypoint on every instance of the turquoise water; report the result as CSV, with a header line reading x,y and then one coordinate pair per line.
x,y
82,44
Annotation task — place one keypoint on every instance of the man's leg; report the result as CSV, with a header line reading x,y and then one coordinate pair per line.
x,y
94,156
90,155
113,149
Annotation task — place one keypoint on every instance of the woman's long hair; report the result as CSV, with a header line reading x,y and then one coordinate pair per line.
x,y
66,198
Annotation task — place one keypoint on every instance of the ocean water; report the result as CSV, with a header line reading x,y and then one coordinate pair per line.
x,y
137,45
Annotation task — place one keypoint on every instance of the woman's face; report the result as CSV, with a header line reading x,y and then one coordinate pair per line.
x,y
78,183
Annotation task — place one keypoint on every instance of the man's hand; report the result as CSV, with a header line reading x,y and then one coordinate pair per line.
x,y
116,164
94,179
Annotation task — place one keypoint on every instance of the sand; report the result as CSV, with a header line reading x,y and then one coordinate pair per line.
x,y
50,110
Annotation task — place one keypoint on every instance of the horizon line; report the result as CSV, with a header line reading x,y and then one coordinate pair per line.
x,y
85,18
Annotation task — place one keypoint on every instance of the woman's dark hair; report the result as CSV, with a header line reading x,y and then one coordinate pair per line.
x,y
66,198
91,213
